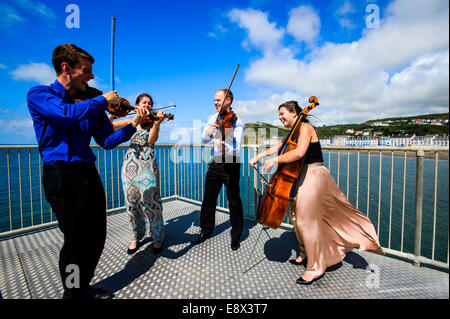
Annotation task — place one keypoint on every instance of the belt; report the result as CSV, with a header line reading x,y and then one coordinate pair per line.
x,y
226,160
316,164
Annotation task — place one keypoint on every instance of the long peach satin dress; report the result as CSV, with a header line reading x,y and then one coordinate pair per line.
x,y
326,224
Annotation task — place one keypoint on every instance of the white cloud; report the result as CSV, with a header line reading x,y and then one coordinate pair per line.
x,y
398,69
346,23
37,8
265,109
17,126
14,126
9,17
346,8
261,33
304,24
38,72
342,15
218,30
422,86
12,16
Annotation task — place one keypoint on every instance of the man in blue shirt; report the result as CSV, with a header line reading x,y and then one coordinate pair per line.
x,y
72,186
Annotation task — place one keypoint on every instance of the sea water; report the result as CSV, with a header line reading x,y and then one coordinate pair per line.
x,y
22,199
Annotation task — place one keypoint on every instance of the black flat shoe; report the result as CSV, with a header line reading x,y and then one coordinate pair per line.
x,y
157,250
235,246
98,293
302,281
132,251
202,237
295,262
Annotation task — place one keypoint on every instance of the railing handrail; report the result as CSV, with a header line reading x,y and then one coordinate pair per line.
x,y
183,170
330,147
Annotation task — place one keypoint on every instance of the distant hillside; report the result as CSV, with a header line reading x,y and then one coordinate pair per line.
x,y
384,126
269,130
440,116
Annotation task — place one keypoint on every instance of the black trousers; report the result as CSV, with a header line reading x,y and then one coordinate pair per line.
x,y
76,195
219,174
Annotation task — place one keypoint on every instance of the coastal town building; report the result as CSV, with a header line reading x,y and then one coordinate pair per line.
x,y
394,141
374,141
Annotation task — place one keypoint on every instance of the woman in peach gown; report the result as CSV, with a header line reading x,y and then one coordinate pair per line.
x,y
326,224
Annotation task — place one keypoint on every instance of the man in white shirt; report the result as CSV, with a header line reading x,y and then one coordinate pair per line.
x,y
225,168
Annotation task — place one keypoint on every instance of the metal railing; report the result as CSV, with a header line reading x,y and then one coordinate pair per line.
x,y
385,183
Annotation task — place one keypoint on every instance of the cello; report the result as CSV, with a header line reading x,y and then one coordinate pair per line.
x,y
275,199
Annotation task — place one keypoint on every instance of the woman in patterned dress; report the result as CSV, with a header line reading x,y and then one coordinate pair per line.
x,y
140,180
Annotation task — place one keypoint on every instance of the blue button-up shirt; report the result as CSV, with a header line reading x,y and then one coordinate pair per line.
x,y
64,129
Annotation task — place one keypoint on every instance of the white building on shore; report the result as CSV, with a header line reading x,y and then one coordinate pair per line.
x,y
394,141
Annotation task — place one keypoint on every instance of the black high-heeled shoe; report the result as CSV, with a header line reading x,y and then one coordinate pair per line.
x,y
295,262
302,281
157,250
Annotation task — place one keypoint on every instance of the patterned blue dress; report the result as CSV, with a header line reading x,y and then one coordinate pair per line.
x,y
140,180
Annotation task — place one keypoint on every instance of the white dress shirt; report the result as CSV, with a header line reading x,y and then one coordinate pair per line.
x,y
233,138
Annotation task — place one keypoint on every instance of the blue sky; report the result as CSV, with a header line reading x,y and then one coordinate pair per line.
x,y
181,52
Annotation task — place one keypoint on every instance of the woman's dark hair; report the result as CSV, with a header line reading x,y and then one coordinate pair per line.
x,y
292,106
139,98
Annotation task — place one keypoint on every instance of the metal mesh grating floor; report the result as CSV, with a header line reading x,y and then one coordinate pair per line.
x,y
28,266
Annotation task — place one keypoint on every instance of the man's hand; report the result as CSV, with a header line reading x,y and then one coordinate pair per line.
x,y
112,97
212,129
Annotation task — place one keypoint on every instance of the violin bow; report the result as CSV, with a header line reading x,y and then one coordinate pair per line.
x,y
226,94
157,109
113,36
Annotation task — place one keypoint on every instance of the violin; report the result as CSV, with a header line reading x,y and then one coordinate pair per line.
x,y
228,118
119,110
122,109
226,122
153,116
274,202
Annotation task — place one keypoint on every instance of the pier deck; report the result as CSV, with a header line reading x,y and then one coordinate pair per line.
x,y
29,266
